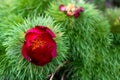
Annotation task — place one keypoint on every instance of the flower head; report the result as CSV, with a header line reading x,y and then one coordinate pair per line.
x,y
71,10
39,46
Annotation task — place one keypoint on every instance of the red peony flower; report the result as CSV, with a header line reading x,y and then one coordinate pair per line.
x,y
39,46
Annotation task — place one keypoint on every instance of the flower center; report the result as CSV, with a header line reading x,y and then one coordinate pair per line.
x,y
71,8
39,42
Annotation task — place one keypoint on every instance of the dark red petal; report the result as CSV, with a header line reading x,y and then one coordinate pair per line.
x,y
51,45
62,8
54,50
50,32
77,13
46,29
40,28
33,30
81,9
30,36
40,56
24,52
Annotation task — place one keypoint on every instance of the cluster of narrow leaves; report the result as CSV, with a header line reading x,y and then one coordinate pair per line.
x,y
115,48
90,54
85,48
30,7
13,27
15,66
13,11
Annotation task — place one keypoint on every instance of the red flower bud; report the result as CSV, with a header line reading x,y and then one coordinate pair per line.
x,y
62,8
78,11
39,46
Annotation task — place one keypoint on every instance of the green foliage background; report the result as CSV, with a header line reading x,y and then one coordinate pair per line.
x,y
15,21
14,66
88,47
89,40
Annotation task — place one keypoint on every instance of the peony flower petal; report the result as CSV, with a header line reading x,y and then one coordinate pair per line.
x,y
54,51
81,9
40,56
33,30
24,52
50,32
78,11
62,8
45,29
30,36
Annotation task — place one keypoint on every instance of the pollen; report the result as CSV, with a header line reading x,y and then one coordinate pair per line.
x,y
71,8
39,42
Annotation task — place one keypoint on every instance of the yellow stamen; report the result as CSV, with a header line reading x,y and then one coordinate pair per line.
x,y
71,8
39,42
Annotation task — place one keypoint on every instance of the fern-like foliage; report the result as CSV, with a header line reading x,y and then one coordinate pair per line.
x,y
7,18
13,11
14,67
113,18
89,39
4,13
30,7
